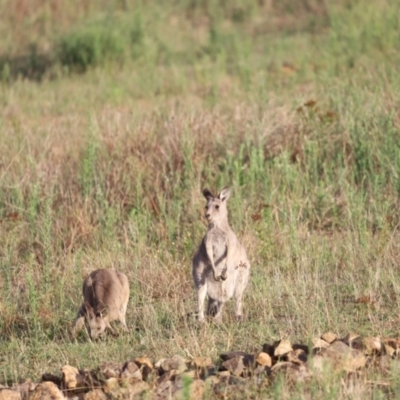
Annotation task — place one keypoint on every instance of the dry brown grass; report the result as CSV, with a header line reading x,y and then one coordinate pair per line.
x,y
106,170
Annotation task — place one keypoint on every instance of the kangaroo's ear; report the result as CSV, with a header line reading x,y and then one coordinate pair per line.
x,y
224,194
103,312
207,194
89,308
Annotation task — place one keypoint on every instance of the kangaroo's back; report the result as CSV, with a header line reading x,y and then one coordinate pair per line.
x,y
106,288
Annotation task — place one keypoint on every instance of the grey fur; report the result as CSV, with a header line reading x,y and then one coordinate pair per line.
x,y
106,296
220,267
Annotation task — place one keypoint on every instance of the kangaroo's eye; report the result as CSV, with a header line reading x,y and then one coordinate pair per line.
x,y
206,207
217,206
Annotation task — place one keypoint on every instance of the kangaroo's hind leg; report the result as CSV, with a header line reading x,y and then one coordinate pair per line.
x,y
238,294
201,297
122,317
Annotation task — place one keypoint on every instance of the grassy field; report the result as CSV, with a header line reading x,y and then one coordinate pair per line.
x,y
116,114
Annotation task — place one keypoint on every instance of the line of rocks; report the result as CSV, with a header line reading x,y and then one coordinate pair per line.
x,y
177,377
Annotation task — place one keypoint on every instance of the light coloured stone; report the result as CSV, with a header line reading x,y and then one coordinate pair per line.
x,y
71,377
47,391
264,359
319,343
372,345
131,370
329,337
283,348
202,362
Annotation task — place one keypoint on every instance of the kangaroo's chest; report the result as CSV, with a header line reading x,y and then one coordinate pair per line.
x,y
219,241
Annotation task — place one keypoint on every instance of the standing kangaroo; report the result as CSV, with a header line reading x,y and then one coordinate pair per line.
x,y
106,295
220,266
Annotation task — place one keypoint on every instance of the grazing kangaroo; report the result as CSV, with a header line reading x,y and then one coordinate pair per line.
x,y
220,266
106,295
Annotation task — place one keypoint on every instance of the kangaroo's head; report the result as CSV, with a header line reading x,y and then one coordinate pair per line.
x,y
216,209
96,321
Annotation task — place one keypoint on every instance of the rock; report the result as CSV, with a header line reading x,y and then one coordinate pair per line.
x,y
389,350
25,389
240,363
9,394
159,362
136,387
76,381
372,345
47,391
329,337
344,357
296,357
282,347
144,361
71,379
52,378
249,361
145,365
166,376
110,370
390,344
131,370
319,344
203,366
350,337
358,344
95,394
264,359
302,347
301,355
110,385
163,391
90,380
354,341
281,366
232,354
294,373
202,362
234,365
124,388
262,371
176,363
269,349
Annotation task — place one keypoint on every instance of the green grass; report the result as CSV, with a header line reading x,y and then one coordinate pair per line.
x,y
297,110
